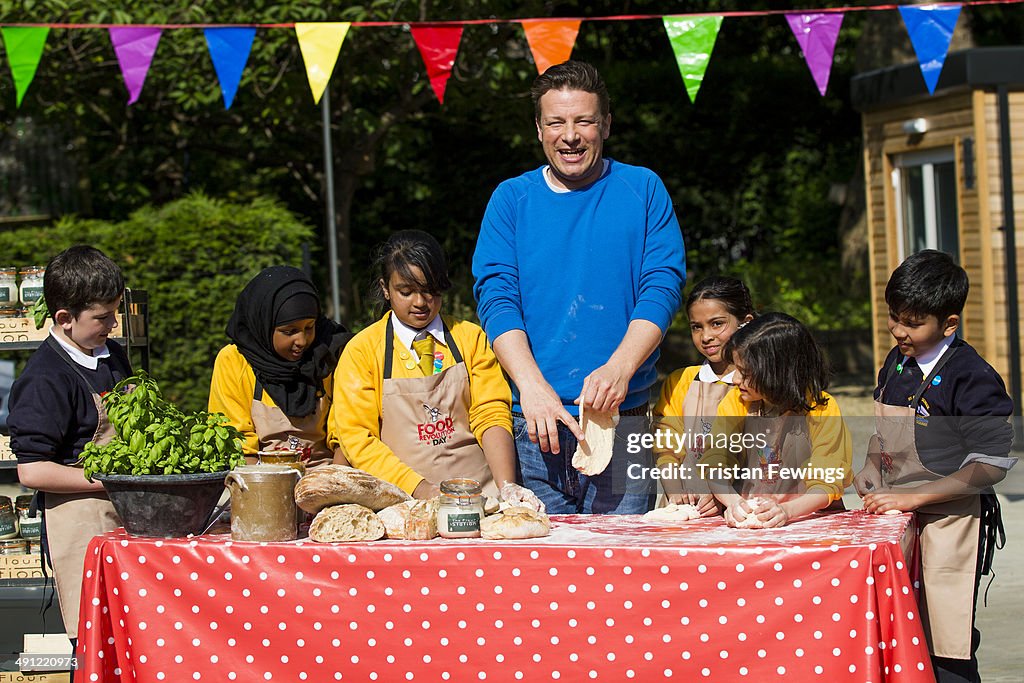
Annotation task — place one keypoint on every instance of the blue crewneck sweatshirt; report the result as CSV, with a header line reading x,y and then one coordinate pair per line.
x,y
573,269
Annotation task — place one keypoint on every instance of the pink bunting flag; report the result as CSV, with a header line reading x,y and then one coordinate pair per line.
x,y
817,35
438,45
134,47
550,40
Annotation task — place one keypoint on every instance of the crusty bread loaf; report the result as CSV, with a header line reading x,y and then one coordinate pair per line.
x,y
515,522
414,520
340,485
345,523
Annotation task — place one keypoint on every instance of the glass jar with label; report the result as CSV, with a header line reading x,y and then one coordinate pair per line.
x,y
13,546
31,284
461,508
8,521
8,285
30,525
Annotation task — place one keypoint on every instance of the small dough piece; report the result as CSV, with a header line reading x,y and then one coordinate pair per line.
x,y
595,451
673,513
515,522
751,521
345,523
894,512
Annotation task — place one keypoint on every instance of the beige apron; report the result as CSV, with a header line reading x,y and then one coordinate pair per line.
x,y
72,519
948,532
277,431
787,445
700,406
425,420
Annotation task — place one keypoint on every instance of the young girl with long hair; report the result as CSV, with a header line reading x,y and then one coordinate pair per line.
x,y
778,429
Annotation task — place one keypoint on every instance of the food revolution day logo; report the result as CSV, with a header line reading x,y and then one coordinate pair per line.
x,y
438,427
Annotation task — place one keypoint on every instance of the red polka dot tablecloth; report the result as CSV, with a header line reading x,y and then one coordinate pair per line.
x,y
604,598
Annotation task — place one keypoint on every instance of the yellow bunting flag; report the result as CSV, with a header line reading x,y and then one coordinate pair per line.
x,y
550,40
320,44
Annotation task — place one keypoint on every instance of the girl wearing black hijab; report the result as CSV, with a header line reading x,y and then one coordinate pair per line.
x,y
275,381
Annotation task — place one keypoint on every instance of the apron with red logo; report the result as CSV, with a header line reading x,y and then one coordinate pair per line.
x,y
425,420
277,431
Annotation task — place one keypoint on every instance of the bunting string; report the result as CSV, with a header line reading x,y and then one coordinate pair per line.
x,y
692,37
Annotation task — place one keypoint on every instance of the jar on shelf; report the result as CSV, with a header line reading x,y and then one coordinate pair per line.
x,y
13,546
31,284
30,525
8,520
461,508
8,286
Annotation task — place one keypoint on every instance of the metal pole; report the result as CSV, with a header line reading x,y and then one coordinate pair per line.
x,y
331,220
1010,237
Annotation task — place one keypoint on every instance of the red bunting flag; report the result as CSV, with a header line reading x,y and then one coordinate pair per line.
x,y
550,40
438,45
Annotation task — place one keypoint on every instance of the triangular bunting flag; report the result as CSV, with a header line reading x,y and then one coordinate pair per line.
x,y
229,50
693,39
438,45
320,44
24,48
817,34
550,40
134,47
931,30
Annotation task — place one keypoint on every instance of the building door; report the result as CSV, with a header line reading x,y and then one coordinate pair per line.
x,y
924,184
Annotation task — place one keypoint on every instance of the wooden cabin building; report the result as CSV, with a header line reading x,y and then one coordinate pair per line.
x,y
946,171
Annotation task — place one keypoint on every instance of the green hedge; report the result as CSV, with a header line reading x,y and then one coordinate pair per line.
x,y
192,256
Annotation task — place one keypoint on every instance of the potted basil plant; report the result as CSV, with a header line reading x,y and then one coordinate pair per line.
x,y
164,470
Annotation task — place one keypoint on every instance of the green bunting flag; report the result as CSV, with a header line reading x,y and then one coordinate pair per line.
x,y
24,48
693,39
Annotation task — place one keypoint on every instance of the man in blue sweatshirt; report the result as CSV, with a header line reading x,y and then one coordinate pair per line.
x,y
579,269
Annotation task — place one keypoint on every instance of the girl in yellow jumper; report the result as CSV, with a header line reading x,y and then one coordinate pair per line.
x,y
778,437
419,398
716,307
274,381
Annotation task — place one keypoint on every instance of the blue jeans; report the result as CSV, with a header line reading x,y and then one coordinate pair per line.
x,y
624,488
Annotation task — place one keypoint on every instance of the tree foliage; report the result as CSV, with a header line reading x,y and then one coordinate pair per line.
x,y
754,167
192,256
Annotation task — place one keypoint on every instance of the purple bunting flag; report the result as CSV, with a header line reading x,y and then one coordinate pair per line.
x,y
817,35
134,47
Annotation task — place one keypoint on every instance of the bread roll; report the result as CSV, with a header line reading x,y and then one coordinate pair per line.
x,y
340,485
595,451
414,520
345,523
515,522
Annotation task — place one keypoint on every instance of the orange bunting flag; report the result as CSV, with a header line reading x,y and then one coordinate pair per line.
x,y
551,40
438,45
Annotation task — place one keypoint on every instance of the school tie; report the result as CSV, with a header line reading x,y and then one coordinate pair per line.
x,y
425,350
